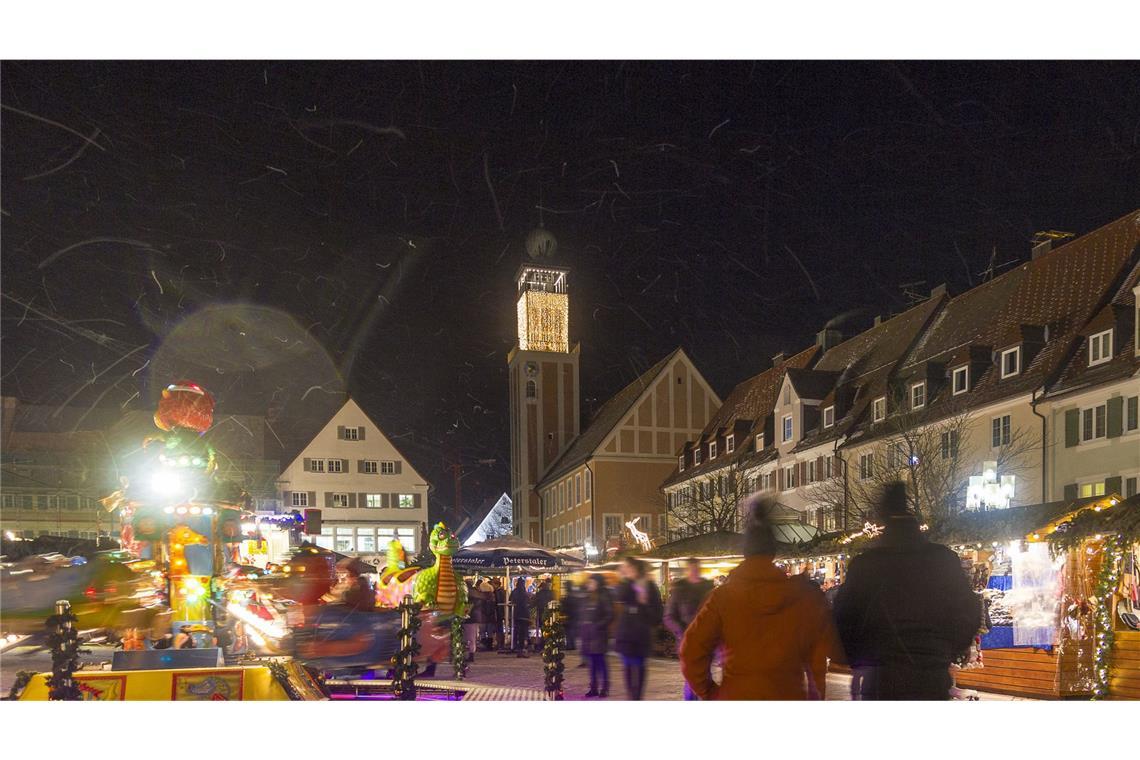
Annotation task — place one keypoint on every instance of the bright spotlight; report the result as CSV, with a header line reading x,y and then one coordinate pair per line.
x,y
166,482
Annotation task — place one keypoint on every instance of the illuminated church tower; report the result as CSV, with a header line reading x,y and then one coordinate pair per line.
x,y
544,380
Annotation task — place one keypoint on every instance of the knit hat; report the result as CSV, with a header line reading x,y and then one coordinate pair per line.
x,y
893,503
759,537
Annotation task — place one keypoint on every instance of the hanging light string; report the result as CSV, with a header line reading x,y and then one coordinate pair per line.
x,y
1109,576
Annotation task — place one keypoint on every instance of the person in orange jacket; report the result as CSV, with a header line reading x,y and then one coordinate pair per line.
x,y
775,632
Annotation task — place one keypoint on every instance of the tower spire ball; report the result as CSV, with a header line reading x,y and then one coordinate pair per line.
x,y
540,244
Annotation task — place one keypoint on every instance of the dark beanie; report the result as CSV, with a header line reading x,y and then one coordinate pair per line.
x,y
893,502
758,535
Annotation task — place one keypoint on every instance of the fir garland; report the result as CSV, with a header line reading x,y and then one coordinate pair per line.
x,y
1107,580
553,651
63,640
23,677
459,651
404,663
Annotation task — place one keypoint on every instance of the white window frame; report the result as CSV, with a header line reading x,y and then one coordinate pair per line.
x,y
588,529
1092,486
351,434
605,530
964,372
1004,430
729,444
578,489
408,499
329,467
866,466
589,484
681,463
300,499
791,474
712,450
811,473
373,501
371,467
949,444
1124,422
829,416
697,456
387,468
787,428
1100,348
879,409
1016,352
920,386
317,465
1091,411
342,497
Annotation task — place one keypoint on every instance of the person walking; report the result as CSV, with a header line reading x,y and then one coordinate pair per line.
x,y
542,599
905,610
520,603
595,613
772,630
570,611
500,601
685,598
639,617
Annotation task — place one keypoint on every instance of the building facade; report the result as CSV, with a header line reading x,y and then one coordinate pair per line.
x,y
367,491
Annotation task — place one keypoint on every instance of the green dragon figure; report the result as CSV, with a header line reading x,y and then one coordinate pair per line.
x,y
439,587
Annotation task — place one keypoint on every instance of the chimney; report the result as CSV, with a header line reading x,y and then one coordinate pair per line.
x,y
938,291
828,338
1042,247
878,320
778,359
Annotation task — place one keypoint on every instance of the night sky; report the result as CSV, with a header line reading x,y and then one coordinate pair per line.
x,y
284,232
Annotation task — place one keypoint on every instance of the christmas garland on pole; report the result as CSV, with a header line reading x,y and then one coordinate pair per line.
x,y
63,640
1108,578
459,653
553,651
405,668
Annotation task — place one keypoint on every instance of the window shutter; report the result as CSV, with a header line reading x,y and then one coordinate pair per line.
x,y
362,500
308,464
287,499
385,501
360,465
803,474
780,479
352,500
344,465
1072,428
328,499
416,498
1070,488
340,432
360,432
819,468
1113,486
312,498
399,467
1115,419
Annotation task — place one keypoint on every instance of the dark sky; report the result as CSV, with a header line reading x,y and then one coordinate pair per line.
x,y
282,232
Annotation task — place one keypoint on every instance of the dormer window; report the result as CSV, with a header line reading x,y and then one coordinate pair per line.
x,y
730,444
879,409
918,395
787,428
1010,362
680,463
712,449
760,442
828,416
696,456
960,380
1100,348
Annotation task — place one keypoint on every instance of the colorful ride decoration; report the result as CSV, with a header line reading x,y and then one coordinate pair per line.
x,y
439,587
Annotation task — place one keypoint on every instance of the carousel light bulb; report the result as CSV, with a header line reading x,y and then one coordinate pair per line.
x,y
195,510
169,510
184,460
207,511
181,510
165,482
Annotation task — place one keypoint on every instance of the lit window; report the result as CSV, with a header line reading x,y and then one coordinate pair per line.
x,y
712,449
1094,422
374,501
918,395
1092,489
336,465
1000,431
300,499
370,466
787,428
366,543
961,380
406,501
340,500
730,444
879,409
1010,362
351,434
828,416
1100,348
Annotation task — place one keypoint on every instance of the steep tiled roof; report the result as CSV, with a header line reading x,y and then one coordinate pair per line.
x,y
751,400
865,363
607,418
812,383
1060,290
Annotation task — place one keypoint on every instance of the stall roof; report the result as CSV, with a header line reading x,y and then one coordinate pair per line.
x,y
1123,519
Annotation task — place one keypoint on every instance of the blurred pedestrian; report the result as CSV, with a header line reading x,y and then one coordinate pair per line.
x,y
905,610
500,602
542,599
639,617
474,619
520,621
595,613
685,598
773,630
570,601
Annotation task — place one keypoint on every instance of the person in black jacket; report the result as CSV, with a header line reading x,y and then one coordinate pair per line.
x,y
595,613
499,600
905,611
685,598
520,603
640,615
542,599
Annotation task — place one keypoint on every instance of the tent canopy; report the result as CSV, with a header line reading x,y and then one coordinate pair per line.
x,y
514,553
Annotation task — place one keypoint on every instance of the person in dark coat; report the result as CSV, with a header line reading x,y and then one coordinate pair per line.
x,y
520,604
595,613
500,602
905,611
685,599
542,600
639,617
